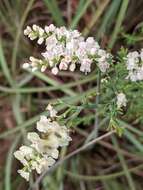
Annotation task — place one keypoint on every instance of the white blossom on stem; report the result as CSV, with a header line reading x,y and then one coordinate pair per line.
x,y
44,148
121,100
134,65
66,49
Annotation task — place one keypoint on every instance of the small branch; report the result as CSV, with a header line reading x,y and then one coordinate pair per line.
x,y
48,171
96,124
94,132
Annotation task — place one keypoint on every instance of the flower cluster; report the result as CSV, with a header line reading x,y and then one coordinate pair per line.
x,y
134,63
43,150
121,100
66,49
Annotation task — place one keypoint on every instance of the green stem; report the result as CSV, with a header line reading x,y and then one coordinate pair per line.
x,y
8,164
94,132
102,177
46,89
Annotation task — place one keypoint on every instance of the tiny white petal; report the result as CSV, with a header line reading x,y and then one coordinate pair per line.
x,y
40,40
121,100
72,67
24,174
26,65
43,68
55,70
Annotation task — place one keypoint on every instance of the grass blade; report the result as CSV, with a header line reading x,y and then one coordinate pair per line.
x,y
95,17
18,34
7,179
79,14
55,12
133,140
118,23
4,66
124,165
107,19
51,82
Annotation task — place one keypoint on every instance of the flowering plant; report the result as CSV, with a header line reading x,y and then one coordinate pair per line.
x,y
43,150
66,49
69,50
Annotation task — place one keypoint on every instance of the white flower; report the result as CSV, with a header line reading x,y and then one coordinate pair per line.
x,y
104,80
27,151
40,40
91,44
67,59
85,66
71,47
32,59
43,150
93,51
33,137
75,34
63,65
32,36
49,151
26,65
35,64
34,164
53,112
48,55
104,65
131,64
46,125
49,161
27,31
52,139
121,100
55,70
67,46
133,55
20,156
134,64
43,124
64,137
35,32
54,153
35,27
24,174
60,32
24,154
51,42
40,31
72,67
46,146
50,28
58,50
44,163
43,68
81,52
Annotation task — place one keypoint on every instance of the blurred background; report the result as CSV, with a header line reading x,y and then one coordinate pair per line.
x,y
114,163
